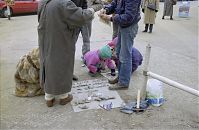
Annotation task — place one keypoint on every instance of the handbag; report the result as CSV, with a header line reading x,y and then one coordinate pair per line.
x,y
151,6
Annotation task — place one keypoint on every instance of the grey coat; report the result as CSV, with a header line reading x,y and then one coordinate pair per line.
x,y
168,8
58,30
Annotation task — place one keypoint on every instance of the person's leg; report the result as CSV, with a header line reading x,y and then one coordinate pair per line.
x,y
50,98
150,28
125,54
115,30
86,34
65,98
146,28
171,17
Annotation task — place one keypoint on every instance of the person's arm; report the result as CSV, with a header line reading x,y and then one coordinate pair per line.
x,y
92,68
109,64
75,16
132,8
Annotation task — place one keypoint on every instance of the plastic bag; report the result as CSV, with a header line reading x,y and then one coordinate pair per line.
x,y
184,7
154,92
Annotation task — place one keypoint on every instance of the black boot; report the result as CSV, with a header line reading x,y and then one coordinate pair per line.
x,y
162,17
146,28
150,28
171,18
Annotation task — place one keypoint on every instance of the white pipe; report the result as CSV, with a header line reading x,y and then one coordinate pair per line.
x,y
174,84
147,57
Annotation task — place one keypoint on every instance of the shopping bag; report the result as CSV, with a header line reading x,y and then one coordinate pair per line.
x,y
184,7
154,92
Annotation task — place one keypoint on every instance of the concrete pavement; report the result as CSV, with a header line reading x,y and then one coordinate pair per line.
x,y
174,55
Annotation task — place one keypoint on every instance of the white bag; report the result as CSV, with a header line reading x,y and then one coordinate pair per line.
x,y
154,92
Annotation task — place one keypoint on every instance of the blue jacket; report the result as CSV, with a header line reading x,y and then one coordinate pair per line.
x,y
127,11
136,59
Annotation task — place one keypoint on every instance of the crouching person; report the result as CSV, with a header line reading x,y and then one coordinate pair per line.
x,y
96,60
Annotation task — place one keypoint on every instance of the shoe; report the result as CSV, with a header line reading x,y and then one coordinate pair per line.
x,y
144,31
163,17
114,81
171,18
50,103
150,31
66,100
75,78
118,87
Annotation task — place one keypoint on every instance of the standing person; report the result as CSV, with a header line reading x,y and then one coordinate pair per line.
x,y
59,21
149,13
86,29
127,16
168,8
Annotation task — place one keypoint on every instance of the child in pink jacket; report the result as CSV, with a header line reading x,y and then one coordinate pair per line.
x,y
95,60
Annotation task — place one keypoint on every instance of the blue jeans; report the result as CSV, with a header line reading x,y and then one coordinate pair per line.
x,y
124,53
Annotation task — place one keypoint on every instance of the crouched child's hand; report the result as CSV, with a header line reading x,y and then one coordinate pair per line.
x,y
113,72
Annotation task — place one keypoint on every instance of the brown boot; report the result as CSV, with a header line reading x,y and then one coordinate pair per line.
x,y
50,103
66,100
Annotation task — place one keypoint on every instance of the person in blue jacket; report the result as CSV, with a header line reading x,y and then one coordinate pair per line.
x,y
127,16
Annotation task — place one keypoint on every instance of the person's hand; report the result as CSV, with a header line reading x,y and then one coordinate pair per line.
x,y
99,70
106,17
102,11
142,10
113,72
92,10
156,10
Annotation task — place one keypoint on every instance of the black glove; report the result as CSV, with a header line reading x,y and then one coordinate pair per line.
x,y
113,72
142,10
156,10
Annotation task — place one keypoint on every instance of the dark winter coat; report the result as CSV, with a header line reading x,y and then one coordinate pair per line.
x,y
127,12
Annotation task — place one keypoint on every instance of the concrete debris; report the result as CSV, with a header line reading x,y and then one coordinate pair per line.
x,y
84,107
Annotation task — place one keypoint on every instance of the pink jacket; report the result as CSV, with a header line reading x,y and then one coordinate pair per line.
x,y
93,61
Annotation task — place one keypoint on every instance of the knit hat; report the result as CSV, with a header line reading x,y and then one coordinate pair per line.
x,y
105,52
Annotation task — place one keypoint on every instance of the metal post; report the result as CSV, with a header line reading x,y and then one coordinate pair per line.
x,y
145,70
174,84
